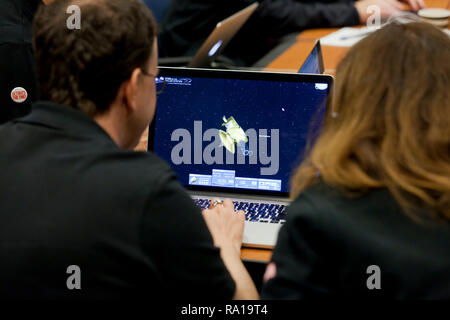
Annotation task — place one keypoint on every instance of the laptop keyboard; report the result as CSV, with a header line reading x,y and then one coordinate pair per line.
x,y
255,212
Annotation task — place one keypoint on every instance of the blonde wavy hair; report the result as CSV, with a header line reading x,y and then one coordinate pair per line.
x,y
392,129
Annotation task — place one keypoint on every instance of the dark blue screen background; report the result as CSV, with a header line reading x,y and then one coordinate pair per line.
x,y
287,106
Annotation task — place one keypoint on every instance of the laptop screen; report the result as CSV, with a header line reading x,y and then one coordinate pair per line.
x,y
314,62
236,131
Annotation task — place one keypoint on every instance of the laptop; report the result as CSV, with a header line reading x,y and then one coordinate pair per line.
x,y
238,135
314,62
214,45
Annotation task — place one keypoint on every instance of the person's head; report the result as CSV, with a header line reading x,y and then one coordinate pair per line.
x,y
392,98
101,69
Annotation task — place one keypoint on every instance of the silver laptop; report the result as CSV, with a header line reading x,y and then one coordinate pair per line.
x,y
216,42
238,135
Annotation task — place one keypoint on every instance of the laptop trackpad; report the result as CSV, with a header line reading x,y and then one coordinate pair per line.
x,y
257,234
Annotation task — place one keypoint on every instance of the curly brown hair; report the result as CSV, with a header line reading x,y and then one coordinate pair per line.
x,y
392,95
84,68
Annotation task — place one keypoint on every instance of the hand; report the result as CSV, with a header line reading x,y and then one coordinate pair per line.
x,y
415,5
226,225
387,8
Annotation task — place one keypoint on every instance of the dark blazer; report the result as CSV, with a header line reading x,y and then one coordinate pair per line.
x,y
332,245
70,196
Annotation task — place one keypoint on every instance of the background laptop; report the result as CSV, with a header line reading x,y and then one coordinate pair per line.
x,y
215,43
314,62
199,121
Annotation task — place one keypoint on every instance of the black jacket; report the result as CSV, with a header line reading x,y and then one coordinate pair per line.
x,y
189,22
70,196
331,243
16,17
16,56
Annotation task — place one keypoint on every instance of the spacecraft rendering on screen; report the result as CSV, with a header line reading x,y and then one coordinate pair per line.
x,y
233,135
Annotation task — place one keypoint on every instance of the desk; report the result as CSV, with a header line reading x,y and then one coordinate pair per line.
x,y
290,61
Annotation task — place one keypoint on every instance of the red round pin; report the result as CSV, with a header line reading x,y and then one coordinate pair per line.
x,y
19,94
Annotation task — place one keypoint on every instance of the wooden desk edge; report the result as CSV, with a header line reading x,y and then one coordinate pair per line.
x,y
256,255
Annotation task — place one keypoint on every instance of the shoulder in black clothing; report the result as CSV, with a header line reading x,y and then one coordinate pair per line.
x,y
16,17
331,243
70,196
